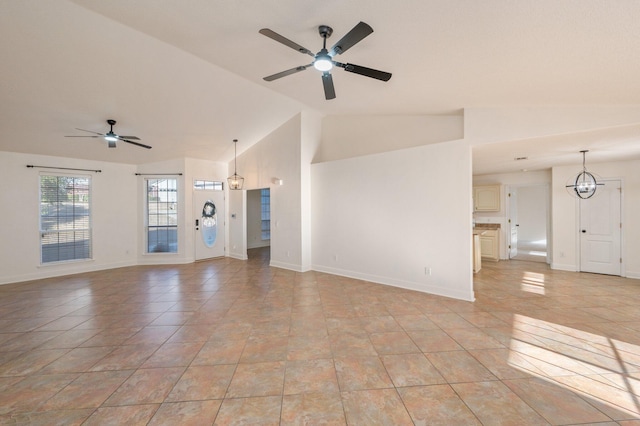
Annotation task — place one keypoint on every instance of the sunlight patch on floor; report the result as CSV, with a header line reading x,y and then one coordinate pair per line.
x,y
532,282
598,368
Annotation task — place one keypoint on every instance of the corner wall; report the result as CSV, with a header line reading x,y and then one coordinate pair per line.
x,y
400,218
275,156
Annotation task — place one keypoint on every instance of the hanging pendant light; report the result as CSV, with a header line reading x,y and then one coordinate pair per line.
x,y
585,184
235,180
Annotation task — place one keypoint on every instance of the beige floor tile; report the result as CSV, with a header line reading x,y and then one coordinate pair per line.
x,y
202,382
393,342
134,415
459,366
411,370
312,409
241,342
187,413
362,373
433,341
494,403
555,404
310,376
89,390
258,379
258,411
436,405
375,407
146,386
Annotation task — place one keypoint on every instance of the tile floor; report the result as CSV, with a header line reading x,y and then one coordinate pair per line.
x,y
233,342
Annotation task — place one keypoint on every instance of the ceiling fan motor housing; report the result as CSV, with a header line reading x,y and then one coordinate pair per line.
x,y
325,31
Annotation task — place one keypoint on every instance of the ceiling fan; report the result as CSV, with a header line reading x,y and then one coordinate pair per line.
x,y
111,137
323,60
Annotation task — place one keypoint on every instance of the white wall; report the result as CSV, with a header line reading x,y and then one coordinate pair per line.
x,y
114,217
311,137
386,217
347,136
277,155
237,229
565,215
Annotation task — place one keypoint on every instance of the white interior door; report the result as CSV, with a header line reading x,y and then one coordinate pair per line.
x,y
600,233
513,223
209,223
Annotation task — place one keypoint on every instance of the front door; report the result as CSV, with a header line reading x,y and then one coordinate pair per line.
x,y
600,233
209,218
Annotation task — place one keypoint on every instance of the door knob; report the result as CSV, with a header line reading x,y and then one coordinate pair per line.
x,y
584,231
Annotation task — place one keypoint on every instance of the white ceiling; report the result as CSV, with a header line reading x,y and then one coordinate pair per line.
x,y
186,76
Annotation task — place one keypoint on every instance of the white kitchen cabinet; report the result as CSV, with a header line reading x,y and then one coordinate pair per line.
x,y
486,198
490,244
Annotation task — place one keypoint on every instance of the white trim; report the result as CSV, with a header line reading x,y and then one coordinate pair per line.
x,y
289,266
633,275
238,256
564,267
50,272
408,285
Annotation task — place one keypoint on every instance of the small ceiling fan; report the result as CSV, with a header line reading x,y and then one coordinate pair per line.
x,y
111,137
323,60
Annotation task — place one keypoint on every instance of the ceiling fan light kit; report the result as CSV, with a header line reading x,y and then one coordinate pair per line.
x,y
323,60
111,137
585,184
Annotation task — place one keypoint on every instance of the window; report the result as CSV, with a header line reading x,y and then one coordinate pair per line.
x,y
208,185
162,215
65,220
265,203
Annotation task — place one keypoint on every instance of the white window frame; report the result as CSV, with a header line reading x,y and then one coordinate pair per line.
x,y
174,205
88,231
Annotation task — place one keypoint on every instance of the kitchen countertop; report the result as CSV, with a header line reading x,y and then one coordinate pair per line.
x,y
486,226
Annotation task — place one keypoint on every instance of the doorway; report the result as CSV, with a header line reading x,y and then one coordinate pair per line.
x,y
258,222
209,222
600,230
528,220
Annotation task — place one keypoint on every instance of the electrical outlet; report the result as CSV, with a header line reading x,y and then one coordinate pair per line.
x,y
427,270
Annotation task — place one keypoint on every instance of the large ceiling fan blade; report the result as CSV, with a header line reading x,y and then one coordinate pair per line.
x,y
135,143
281,39
354,36
368,72
129,137
327,83
88,136
89,131
287,72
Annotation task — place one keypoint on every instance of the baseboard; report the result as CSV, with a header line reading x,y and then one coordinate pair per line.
x,y
634,275
258,245
289,266
48,271
394,282
563,267
238,256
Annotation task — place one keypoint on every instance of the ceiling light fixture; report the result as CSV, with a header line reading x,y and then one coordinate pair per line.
x,y
323,61
585,184
111,137
235,180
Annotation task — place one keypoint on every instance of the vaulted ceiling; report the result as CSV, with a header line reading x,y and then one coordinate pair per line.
x,y
187,76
